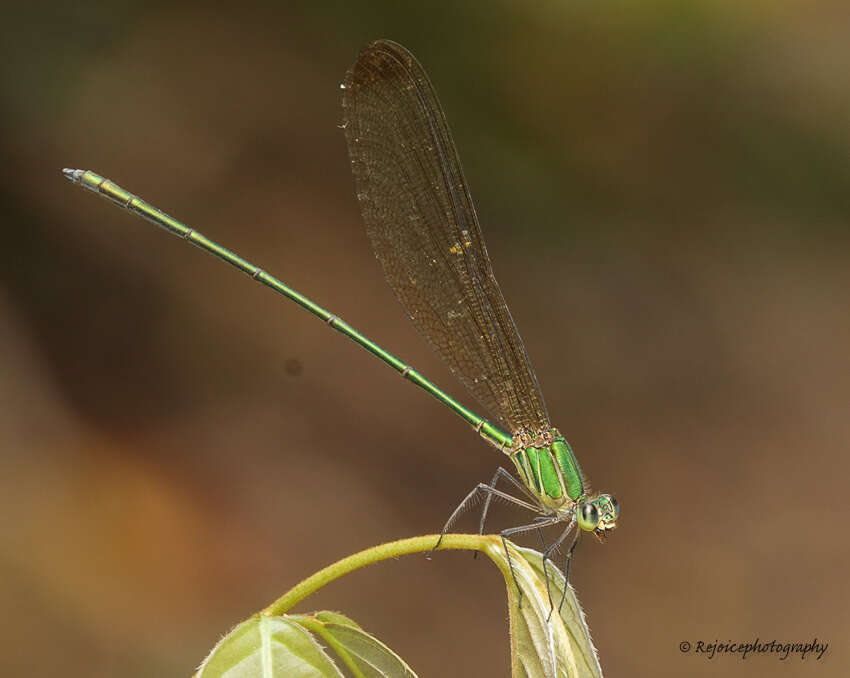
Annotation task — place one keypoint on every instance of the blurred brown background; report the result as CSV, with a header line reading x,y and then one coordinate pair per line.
x,y
665,190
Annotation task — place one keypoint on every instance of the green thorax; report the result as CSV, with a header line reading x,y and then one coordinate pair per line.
x,y
548,467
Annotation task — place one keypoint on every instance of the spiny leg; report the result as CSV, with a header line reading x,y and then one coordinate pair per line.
x,y
547,554
502,473
567,569
540,532
538,519
474,494
543,545
547,557
504,534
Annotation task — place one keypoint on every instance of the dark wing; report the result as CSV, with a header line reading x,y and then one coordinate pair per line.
x,y
423,229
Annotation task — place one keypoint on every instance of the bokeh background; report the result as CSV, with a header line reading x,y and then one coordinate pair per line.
x,y
665,191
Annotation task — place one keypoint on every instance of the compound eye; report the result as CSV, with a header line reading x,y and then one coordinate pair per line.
x,y
615,508
588,517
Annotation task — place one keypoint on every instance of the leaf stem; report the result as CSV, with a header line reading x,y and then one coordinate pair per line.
x,y
402,547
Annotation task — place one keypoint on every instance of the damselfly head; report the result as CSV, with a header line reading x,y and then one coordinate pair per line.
x,y
598,515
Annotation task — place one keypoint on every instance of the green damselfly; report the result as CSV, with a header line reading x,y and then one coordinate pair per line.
x,y
423,229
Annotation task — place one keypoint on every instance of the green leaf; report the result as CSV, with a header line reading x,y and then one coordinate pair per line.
x,y
268,647
365,655
287,647
544,646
